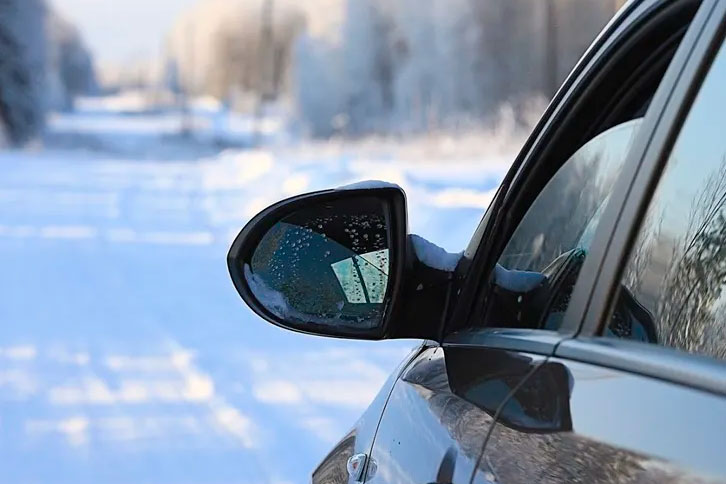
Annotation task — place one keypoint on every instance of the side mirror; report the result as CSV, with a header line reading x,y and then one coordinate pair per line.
x,y
327,263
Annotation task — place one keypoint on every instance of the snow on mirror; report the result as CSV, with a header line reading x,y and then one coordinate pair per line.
x,y
325,265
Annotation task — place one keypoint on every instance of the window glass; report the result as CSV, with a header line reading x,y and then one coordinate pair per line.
x,y
672,292
538,267
566,211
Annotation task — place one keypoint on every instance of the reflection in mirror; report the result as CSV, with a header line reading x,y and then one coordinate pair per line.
x,y
326,264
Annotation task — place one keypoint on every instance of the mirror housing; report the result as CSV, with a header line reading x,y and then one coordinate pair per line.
x,y
270,231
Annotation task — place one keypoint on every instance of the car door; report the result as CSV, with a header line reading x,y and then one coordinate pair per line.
x,y
646,378
442,409
440,412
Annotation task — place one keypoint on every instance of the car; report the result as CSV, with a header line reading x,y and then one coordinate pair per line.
x,y
581,335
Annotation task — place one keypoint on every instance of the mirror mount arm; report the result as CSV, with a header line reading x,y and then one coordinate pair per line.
x,y
424,300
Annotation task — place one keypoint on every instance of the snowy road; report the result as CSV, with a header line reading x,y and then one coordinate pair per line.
x,y
126,355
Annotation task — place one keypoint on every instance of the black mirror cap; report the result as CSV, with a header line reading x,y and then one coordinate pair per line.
x,y
394,199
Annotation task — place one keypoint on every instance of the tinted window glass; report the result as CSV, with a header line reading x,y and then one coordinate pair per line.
x,y
672,290
539,266
565,213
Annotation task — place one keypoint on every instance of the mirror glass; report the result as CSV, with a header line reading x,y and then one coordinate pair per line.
x,y
326,264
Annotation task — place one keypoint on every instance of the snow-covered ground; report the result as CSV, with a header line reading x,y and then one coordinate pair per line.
x,y
126,355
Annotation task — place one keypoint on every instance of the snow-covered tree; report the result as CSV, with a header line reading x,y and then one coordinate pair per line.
x,y
22,68
70,64
318,84
417,65
171,79
362,94
217,47
395,65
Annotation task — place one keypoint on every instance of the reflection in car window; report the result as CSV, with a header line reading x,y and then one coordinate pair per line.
x,y
676,274
554,236
571,202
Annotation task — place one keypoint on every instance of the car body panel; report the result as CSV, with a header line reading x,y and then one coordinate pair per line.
x,y
333,468
441,411
624,428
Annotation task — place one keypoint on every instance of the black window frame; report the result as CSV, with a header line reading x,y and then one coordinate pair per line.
x,y
597,297
483,252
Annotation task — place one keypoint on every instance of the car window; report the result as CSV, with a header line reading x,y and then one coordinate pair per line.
x,y
544,255
566,211
533,280
672,291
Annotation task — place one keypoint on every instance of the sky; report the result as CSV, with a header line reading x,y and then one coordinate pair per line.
x,y
122,31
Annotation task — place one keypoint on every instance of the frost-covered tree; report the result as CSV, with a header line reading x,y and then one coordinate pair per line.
x,y
22,68
70,64
436,63
448,61
395,66
361,101
417,65
217,47
318,85
171,79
